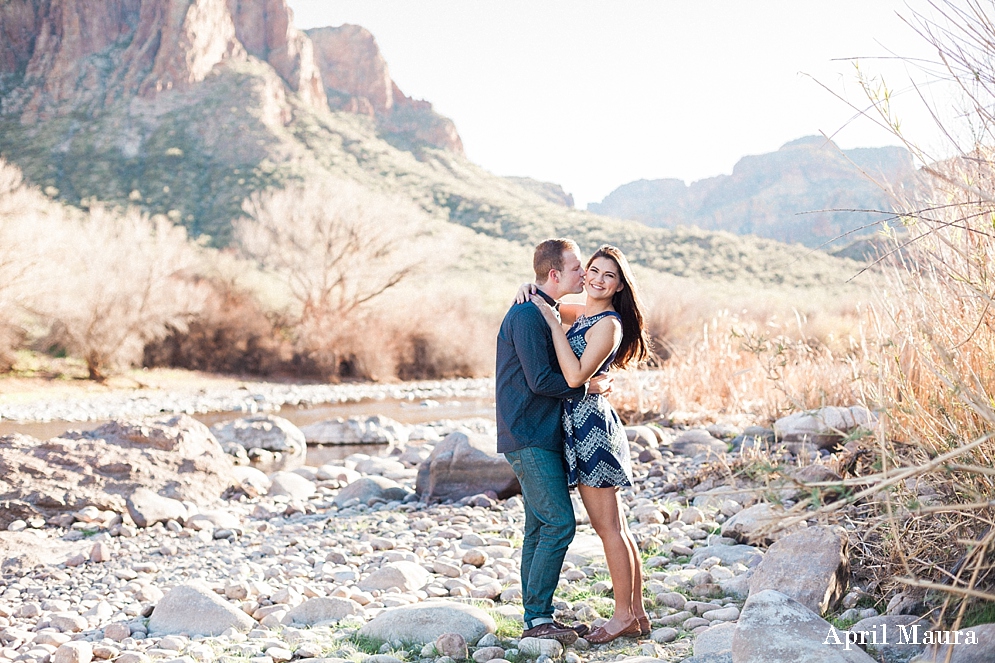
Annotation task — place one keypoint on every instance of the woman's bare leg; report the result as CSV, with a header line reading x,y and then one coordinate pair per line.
x,y
606,517
637,568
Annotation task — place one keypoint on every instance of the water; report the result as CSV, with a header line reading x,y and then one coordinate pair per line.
x,y
404,411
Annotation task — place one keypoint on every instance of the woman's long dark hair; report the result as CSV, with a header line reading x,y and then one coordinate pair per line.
x,y
635,346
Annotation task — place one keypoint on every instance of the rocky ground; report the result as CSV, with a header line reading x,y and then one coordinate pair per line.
x,y
362,562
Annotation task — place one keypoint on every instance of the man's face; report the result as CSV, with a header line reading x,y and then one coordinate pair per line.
x,y
572,275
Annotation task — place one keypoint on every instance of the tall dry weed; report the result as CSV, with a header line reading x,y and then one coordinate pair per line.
x,y
923,500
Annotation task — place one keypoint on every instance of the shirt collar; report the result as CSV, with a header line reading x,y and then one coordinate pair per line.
x,y
549,300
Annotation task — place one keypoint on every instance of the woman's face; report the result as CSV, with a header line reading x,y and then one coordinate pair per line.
x,y
603,278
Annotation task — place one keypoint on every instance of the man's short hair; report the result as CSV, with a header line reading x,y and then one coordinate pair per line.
x,y
549,255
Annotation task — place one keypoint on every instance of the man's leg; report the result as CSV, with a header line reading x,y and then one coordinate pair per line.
x,y
529,543
547,499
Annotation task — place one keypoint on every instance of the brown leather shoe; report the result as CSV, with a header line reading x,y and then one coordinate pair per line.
x,y
547,631
644,625
580,629
600,636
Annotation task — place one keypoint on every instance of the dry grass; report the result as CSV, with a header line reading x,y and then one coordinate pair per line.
x,y
773,354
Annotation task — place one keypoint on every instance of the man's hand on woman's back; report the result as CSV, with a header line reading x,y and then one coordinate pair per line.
x,y
601,384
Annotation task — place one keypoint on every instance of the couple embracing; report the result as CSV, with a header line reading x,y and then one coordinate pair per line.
x,y
557,429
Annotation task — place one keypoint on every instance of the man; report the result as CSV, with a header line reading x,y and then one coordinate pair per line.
x,y
529,388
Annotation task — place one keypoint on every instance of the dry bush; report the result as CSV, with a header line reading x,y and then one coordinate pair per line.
x,y
231,333
124,282
922,498
338,247
742,366
29,227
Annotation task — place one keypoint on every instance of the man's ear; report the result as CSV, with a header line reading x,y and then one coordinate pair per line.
x,y
554,275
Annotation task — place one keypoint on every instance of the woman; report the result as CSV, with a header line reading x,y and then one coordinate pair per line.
x,y
606,331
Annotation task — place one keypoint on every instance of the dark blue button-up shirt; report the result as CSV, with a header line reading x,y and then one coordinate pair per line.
x,y
529,384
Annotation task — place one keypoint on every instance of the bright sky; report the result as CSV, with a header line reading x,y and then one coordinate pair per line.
x,y
592,94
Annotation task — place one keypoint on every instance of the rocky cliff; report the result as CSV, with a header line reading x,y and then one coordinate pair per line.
x,y
186,107
356,79
805,192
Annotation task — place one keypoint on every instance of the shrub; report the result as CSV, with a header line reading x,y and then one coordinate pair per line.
x,y
124,283
231,333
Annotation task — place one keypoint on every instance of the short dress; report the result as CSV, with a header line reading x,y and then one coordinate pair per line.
x,y
595,446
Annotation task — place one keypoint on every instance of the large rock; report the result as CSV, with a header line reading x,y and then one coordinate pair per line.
x,y
824,427
424,622
322,609
716,640
195,609
284,442
292,485
743,554
811,566
406,576
697,441
147,508
174,456
370,488
758,524
884,636
773,628
24,550
980,650
465,464
356,430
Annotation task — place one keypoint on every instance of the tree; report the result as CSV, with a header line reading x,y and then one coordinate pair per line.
x,y
337,247
124,282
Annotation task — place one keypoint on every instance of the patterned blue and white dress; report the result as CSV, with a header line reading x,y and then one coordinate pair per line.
x,y
595,446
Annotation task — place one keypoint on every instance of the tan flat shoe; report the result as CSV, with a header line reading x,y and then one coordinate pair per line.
x,y
600,636
644,625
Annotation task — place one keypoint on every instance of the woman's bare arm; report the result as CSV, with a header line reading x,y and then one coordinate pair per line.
x,y
601,338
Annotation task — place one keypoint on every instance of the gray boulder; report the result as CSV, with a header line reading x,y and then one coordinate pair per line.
x,y
406,576
462,465
757,524
884,632
980,650
292,485
284,442
195,609
175,456
371,488
422,623
811,566
716,640
773,628
148,508
642,436
697,441
321,610
746,555
357,430
824,427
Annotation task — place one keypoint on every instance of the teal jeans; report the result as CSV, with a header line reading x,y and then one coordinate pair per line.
x,y
549,527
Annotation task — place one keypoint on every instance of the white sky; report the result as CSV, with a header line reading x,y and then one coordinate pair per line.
x,y
592,94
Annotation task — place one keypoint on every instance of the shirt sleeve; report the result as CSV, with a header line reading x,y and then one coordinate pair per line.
x,y
532,347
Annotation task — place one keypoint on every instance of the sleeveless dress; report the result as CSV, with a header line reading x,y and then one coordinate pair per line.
x,y
595,446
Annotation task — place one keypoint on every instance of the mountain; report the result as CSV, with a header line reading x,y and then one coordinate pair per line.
x,y
187,107
802,193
